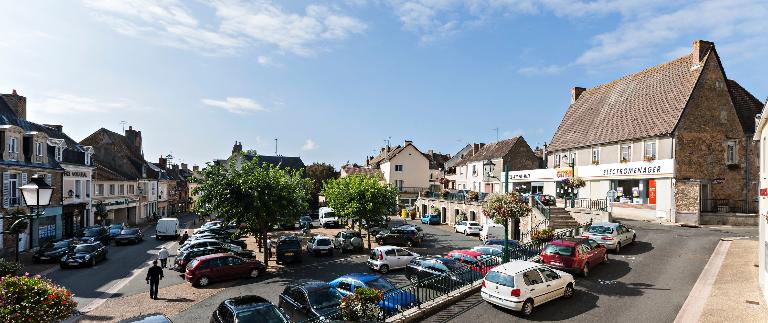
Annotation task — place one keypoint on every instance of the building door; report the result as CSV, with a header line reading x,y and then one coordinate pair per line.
x,y
705,195
443,215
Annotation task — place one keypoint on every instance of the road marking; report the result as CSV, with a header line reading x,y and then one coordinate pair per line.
x,y
697,298
49,271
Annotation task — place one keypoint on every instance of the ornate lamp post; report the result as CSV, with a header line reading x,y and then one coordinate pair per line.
x,y
37,194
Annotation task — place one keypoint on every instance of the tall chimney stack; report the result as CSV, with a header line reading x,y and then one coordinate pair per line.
x,y
17,103
184,166
134,138
700,49
163,162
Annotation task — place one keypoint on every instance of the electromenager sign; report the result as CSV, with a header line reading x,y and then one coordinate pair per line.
x,y
656,168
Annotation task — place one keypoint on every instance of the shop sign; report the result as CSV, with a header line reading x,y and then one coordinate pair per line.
x,y
656,168
718,180
74,173
652,191
533,175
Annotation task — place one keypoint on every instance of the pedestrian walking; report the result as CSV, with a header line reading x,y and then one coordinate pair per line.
x,y
269,248
154,275
184,237
163,256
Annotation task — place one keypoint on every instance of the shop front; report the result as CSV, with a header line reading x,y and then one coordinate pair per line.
x,y
46,227
74,219
535,181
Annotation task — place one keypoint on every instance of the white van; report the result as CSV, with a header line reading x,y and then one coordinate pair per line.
x,y
492,231
167,227
328,217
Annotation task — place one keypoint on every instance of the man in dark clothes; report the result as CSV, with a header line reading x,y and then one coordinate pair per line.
x,y
154,275
184,238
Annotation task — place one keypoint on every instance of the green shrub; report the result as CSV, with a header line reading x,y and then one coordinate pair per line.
x,y
9,268
34,299
544,235
362,306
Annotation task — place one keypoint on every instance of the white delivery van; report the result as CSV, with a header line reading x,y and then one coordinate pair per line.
x,y
492,231
167,228
328,217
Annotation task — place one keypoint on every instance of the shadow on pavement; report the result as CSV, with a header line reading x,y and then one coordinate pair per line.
x,y
636,248
176,300
96,318
561,309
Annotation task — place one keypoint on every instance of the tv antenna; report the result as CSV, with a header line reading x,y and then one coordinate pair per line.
x,y
123,123
497,133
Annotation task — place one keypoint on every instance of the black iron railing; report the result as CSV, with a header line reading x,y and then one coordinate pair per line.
x,y
728,206
592,204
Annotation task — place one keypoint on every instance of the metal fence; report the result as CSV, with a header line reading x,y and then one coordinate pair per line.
x,y
728,206
592,204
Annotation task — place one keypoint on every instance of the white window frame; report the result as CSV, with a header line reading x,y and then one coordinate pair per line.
x,y
556,160
14,179
731,152
401,168
39,149
655,145
596,155
99,189
78,189
59,153
121,189
112,189
629,152
131,189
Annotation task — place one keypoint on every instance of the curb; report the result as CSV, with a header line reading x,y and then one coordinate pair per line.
x,y
435,305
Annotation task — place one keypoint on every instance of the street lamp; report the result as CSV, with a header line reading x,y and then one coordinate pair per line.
x,y
37,194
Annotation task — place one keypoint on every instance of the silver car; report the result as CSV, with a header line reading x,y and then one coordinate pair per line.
x,y
611,235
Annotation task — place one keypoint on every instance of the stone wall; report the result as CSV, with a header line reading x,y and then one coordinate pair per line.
x,y
687,201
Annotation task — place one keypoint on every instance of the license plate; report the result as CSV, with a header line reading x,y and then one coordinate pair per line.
x,y
289,253
557,263
323,251
44,258
73,262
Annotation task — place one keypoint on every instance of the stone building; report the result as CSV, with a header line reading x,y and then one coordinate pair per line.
x,y
668,142
405,167
27,149
761,138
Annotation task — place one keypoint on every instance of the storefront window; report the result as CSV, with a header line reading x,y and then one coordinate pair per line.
x,y
631,191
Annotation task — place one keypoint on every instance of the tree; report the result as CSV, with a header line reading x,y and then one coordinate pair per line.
x,y
319,173
506,207
34,299
361,199
255,196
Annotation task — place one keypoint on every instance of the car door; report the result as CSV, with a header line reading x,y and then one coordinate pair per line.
x,y
403,257
597,250
535,287
553,285
310,244
390,258
626,235
237,267
293,300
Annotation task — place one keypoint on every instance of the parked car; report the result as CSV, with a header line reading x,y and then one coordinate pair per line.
x,y
348,240
183,258
389,224
452,274
328,218
467,227
320,245
247,309
430,219
399,236
393,299
224,239
203,270
208,243
516,250
148,318
129,235
474,260
493,251
611,235
288,249
522,285
305,221
306,300
491,231
85,254
546,199
95,233
574,254
52,251
167,228
383,259
213,231
114,230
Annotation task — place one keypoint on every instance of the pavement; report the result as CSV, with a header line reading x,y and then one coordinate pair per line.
x,y
648,282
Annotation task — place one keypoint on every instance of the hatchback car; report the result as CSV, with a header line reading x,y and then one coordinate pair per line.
x,y
305,221
183,258
52,251
467,227
114,230
95,233
129,235
203,270
393,299
522,285
399,236
306,300
453,274
320,245
86,254
430,219
383,259
348,240
574,254
209,243
246,309
288,249
611,235
475,260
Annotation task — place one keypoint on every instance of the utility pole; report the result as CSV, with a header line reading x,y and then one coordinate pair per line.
x,y
123,123
275,146
506,220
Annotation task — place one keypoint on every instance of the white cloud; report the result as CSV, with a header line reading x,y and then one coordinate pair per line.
x,y
62,103
235,105
236,25
541,70
309,145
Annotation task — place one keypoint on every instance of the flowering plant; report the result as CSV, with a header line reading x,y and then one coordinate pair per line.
x,y
362,306
575,182
472,196
9,268
34,299
506,206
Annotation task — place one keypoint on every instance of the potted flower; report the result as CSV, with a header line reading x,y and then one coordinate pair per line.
x,y
362,305
472,196
34,299
543,236
649,158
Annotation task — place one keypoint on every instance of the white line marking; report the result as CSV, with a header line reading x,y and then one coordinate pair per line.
x,y
697,298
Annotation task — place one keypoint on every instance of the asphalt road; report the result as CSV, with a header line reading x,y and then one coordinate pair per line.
x,y
90,283
437,242
648,282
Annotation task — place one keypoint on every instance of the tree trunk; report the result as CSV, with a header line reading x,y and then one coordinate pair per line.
x,y
368,232
264,243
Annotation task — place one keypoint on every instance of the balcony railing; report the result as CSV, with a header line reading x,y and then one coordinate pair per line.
x,y
728,206
592,204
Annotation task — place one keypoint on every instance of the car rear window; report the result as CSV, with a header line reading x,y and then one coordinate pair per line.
x,y
129,231
288,244
323,242
475,224
193,263
599,229
559,250
500,278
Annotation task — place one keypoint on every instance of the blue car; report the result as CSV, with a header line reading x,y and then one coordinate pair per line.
x,y
394,298
430,219
114,230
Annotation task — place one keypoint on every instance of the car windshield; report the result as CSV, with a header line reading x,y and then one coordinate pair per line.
x,y
599,229
129,231
266,314
330,214
323,242
59,244
324,298
83,249
115,226
501,279
306,219
288,244
380,284
91,232
560,250
473,224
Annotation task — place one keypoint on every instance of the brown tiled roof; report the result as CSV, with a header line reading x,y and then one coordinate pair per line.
x,y
384,155
495,150
361,170
436,160
645,104
747,106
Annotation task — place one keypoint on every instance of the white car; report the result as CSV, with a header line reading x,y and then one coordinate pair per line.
x,y
320,245
467,227
611,235
385,258
209,243
522,285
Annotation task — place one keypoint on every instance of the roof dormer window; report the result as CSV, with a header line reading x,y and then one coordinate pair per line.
x,y
59,153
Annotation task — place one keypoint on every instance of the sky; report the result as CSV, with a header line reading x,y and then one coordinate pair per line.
x,y
334,81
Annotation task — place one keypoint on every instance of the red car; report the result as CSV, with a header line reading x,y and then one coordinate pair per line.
x,y
203,270
475,260
574,255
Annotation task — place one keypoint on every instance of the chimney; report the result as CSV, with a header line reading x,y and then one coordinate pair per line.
x,y
134,138
576,93
430,152
163,162
700,49
195,168
175,167
408,142
183,166
237,148
17,103
475,149
387,149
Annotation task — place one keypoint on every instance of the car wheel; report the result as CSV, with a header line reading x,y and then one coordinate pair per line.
x,y
255,273
527,308
618,248
93,262
384,269
633,238
568,292
409,243
585,270
203,281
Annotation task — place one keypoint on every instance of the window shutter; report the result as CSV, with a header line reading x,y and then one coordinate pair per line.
x,y
23,182
6,189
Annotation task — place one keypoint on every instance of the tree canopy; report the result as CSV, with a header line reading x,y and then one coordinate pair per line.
x,y
361,198
319,173
254,196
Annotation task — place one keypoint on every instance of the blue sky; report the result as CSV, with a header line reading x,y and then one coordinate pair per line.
x,y
334,79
